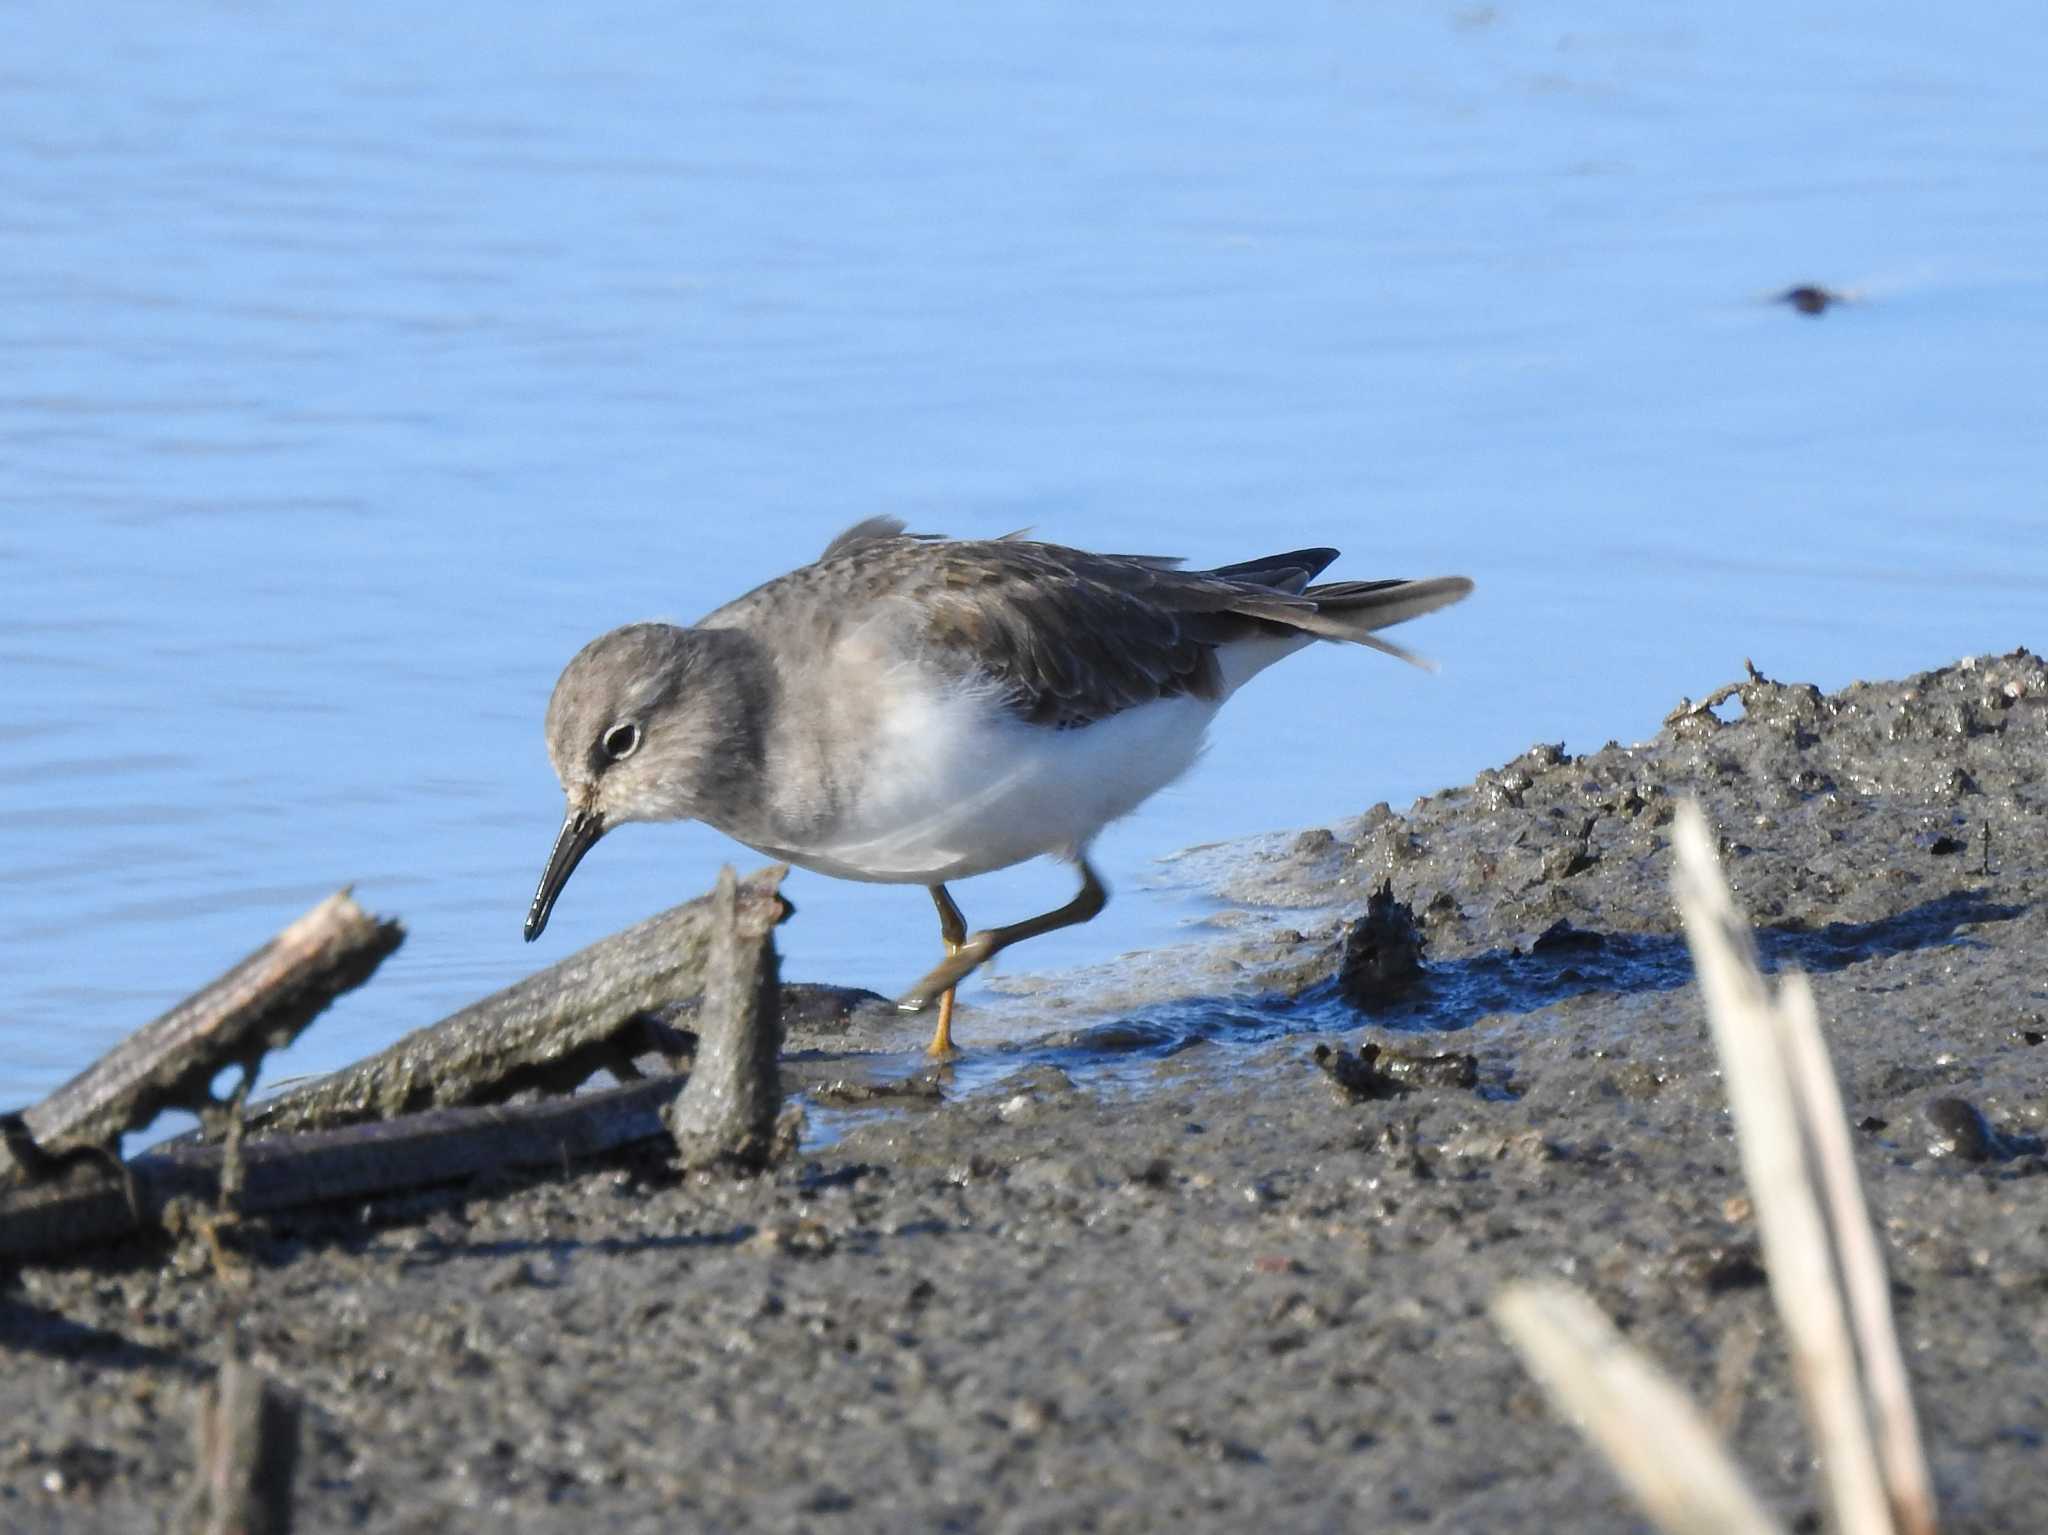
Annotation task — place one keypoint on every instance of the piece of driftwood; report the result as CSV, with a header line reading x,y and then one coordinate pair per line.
x,y
550,1031
98,1201
727,1113
260,1005
248,1444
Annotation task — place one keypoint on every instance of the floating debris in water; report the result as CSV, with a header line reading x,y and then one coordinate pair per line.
x,y
1811,298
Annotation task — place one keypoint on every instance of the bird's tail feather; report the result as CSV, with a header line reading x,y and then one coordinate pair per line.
x,y
1355,610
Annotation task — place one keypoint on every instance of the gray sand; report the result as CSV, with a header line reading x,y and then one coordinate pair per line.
x,y
1133,1291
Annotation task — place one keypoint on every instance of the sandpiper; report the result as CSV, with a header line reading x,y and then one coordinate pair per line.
x,y
913,709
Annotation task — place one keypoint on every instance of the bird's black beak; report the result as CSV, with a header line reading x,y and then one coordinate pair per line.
x,y
579,834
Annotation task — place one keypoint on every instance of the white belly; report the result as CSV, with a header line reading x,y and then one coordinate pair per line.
x,y
960,786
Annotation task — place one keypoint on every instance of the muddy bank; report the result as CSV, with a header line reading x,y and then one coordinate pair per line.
x,y
1165,1271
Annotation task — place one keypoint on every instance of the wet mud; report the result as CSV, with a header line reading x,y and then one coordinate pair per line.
x,y
1155,1265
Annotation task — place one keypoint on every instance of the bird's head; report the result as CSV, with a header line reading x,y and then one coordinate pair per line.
x,y
637,729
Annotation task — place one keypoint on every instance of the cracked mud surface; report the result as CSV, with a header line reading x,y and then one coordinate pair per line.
x,y
1157,1270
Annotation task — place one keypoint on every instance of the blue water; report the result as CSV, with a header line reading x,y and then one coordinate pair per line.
x,y
361,362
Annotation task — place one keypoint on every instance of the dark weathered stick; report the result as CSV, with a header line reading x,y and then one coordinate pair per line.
x,y
100,1201
258,1006
727,1113
548,1031
248,1449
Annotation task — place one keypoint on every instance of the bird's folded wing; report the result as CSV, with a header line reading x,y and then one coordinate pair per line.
x,y
1078,637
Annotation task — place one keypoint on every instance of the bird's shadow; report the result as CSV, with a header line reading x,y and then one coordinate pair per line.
x,y
27,1328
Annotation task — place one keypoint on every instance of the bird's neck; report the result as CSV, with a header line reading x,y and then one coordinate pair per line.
x,y
739,687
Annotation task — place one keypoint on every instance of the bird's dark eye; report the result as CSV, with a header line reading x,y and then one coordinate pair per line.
x,y
621,740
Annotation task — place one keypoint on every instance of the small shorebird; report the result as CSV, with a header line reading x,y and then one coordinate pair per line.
x,y
913,710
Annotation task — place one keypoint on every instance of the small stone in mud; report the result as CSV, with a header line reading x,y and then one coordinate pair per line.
x,y
1155,1174
1959,1130
1562,938
1718,1267
1443,907
799,1237
1638,1080
1575,855
1033,1415
1503,790
1382,954
1041,1081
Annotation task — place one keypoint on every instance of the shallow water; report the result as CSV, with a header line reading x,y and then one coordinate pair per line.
x,y
353,385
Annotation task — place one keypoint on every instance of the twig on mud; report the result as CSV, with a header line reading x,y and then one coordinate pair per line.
x,y
248,1444
1687,709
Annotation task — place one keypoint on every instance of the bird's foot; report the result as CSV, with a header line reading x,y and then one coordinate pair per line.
x,y
948,973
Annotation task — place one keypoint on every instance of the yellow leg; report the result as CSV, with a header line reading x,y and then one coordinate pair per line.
x,y
965,955
953,930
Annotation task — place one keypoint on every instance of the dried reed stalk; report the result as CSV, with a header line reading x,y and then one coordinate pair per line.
x,y
1659,1444
1826,1269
